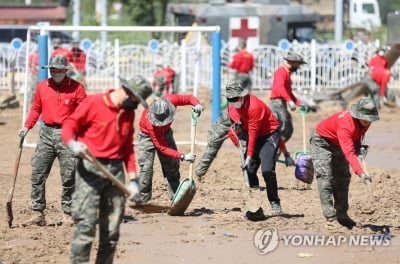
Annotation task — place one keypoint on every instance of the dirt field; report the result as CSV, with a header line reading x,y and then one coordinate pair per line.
x,y
214,229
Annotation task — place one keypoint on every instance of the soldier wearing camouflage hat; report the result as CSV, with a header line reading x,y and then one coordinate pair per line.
x,y
156,136
281,94
55,100
262,129
103,124
336,144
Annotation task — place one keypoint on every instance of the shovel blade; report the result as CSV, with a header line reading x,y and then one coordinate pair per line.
x,y
183,197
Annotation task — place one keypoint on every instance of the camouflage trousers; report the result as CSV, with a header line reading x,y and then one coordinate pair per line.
x,y
332,173
170,166
49,147
279,109
217,134
97,200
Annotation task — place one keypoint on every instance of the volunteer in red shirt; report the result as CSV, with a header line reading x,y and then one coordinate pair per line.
x,y
163,80
335,144
380,72
78,58
156,135
262,128
103,124
243,63
55,100
282,95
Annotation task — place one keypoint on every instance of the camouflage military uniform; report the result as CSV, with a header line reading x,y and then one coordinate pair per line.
x,y
333,175
96,191
48,148
170,165
278,107
217,134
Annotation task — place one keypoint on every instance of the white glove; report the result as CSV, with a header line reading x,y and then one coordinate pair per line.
x,y
246,162
23,131
77,148
365,178
188,157
292,106
198,109
133,188
288,160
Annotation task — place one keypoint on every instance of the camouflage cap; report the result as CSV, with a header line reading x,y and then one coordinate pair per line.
x,y
365,109
161,112
235,89
292,56
58,62
139,87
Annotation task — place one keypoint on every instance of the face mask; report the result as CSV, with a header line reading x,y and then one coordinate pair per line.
x,y
129,105
293,69
381,53
237,104
58,77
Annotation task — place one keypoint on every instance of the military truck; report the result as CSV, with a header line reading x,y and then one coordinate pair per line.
x,y
258,21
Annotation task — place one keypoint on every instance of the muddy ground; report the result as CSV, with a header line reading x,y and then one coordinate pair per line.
x,y
213,229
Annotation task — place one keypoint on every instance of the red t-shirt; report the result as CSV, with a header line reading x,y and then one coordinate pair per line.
x,y
242,62
54,103
256,118
105,128
156,133
282,86
343,130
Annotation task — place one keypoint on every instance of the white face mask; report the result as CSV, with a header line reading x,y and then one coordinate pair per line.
x,y
237,104
58,77
381,53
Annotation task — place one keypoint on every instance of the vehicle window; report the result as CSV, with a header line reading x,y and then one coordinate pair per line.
x,y
368,8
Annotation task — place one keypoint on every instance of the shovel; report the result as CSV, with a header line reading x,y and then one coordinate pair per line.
x,y
89,156
371,194
253,213
304,154
10,216
187,188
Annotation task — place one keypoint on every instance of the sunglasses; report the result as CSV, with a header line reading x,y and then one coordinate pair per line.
x,y
233,99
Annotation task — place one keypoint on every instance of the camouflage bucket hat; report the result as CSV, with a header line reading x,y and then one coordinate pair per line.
x,y
139,87
58,62
292,56
365,109
161,112
235,89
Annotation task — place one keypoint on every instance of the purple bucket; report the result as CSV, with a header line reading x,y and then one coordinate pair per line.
x,y
304,168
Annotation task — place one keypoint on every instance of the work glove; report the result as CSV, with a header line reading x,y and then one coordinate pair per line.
x,y
22,132
198,109
362,151
133,188
237,126
188,157
365,178
77,148
292,106
246,162
288,160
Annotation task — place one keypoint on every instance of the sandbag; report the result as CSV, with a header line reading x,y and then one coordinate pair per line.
x,y
304,168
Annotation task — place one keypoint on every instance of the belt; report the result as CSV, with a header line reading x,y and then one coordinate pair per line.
x,y
53,125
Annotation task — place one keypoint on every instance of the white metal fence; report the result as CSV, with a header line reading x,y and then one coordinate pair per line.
x,y
328,67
